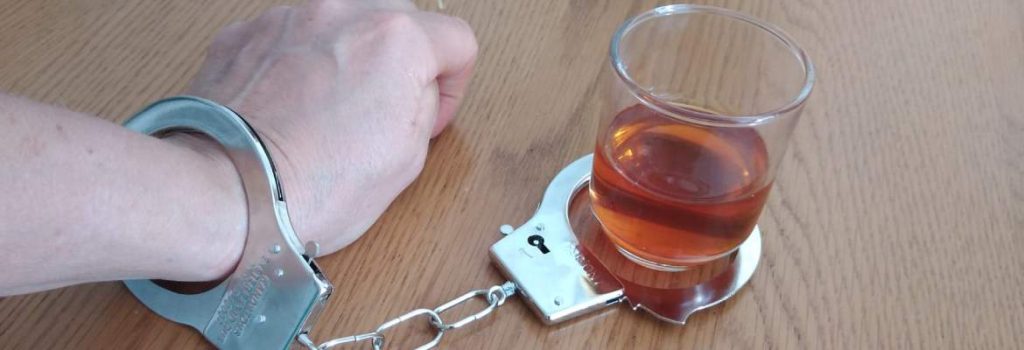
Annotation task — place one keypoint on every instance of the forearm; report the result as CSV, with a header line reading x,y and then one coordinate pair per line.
x,y
87,200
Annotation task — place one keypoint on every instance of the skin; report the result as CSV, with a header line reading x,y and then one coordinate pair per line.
x,y
345,93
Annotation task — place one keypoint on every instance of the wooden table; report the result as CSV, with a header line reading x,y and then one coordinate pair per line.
x,y
897,220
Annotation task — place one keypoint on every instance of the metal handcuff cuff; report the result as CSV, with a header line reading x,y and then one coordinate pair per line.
x,y
277,290
273,297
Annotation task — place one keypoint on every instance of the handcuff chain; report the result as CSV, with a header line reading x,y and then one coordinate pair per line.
x,y
495,297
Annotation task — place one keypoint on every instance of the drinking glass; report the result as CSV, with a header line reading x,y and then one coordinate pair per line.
x,y
698,106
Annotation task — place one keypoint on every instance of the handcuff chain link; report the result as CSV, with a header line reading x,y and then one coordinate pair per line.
x,y
495,297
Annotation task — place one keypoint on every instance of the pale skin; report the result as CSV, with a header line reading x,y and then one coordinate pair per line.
x,y
345,93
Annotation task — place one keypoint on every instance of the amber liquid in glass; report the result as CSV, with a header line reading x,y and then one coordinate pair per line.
x,y
677,194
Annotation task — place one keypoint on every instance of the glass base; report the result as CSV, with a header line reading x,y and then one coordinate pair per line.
x,y
650,264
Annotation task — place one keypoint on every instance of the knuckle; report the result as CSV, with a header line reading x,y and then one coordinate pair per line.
x,y
392,23
469,36
461,26
464,33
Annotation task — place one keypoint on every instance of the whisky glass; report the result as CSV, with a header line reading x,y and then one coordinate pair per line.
x,y
697,107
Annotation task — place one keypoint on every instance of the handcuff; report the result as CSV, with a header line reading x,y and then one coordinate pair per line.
x,y
275,294
276,291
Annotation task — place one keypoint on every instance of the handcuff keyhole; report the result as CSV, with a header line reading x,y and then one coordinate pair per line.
x,y
538,241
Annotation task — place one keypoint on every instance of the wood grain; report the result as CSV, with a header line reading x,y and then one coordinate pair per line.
x,y
897,220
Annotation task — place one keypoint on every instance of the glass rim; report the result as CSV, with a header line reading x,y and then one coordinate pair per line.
x,y
657,103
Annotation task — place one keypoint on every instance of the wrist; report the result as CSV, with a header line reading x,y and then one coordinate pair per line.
x,y
213,245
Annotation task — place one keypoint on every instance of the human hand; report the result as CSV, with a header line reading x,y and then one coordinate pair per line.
x,y
346,94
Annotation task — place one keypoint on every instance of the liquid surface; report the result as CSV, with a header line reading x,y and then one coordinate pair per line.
x,y
677,194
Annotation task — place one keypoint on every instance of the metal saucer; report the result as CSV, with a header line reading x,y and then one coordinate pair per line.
x,y
669,296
